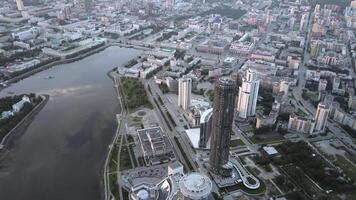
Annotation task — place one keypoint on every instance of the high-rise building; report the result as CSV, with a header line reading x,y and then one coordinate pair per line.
x,y
291,22
20,6
301,124
284,87
303,21
87,5
248,93
322,85
205,127
169,4
317,9
352,100
223,114
184,92
315,48
268,16
353,4
321,116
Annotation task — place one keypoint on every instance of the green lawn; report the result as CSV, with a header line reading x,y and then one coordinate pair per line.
x,y
301,179
240,186
237,142
348,168
125,162
300,112
135,164
113,159
114,187
134,93
259,190
268,139
130,139
305,168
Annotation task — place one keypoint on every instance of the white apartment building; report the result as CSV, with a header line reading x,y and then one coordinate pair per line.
x,y
321,116
248,93
184,92
301,124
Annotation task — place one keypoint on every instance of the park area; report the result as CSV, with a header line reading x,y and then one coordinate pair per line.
x,y
313,175
134,93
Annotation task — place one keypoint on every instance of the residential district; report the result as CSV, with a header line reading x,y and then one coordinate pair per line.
x,y
232,99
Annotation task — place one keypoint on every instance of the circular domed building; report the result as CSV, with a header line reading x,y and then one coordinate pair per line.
x,y
195,186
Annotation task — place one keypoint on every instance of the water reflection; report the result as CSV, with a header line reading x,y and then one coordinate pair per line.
x,y
62,151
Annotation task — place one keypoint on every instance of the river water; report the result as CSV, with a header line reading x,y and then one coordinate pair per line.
x,y
63,150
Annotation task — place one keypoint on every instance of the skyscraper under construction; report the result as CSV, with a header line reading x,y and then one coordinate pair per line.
x,y
223,114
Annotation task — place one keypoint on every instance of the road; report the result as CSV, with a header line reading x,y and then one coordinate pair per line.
x,y
179,130
121,120
171,134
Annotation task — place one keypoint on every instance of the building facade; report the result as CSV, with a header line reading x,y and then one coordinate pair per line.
x,y
184,92
248,93
19,5
205,127
301,124
321,117
223,114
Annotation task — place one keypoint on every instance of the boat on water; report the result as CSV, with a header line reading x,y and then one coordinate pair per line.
x,y
49,77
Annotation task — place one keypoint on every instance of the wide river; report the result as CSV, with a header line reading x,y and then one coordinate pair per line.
x,y
63,150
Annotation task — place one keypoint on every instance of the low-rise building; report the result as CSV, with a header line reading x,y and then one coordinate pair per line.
x,y
22,66
241,48
15,108
270,119
155,146
212,46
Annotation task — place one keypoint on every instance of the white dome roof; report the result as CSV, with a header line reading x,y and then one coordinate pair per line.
x,y
143,194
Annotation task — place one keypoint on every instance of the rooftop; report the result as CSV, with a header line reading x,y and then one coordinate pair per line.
x,y
155,145
195,185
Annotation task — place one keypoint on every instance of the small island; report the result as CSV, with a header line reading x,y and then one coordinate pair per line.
x,y
14,110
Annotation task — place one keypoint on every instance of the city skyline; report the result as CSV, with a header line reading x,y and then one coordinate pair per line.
x,y
177,99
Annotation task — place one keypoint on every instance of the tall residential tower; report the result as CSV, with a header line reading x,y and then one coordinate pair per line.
x,y
248,93
19,4
223,114
184,92
321,117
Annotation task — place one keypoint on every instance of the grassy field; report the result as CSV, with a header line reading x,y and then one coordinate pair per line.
x,y
125,162
114,154
268,139
300,178
240,186
237,142
113,159
300,112
350,171
134,93
131,148
348,168
310,172
114,186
